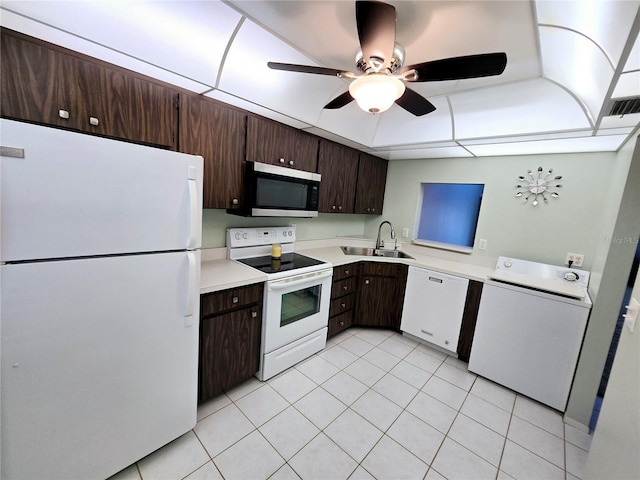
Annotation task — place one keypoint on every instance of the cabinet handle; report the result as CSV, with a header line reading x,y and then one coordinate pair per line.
x,y
340,207
446,342
343,305
291,162
345,288
366,282
342,324
333,207
368,210
234,201
254,314
428,333
63,114
234,299
373,210
346,272
94,121
282,160
435,279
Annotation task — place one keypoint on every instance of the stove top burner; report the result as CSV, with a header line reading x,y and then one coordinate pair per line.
x,y
288,261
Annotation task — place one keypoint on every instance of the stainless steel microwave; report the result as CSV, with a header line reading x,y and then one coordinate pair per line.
x,y
273,191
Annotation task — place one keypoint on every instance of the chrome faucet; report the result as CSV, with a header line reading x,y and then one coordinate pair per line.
x,y
379,242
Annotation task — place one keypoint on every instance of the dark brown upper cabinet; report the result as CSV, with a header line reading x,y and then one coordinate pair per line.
x,y
277,144
42,83
338,166
218,133
372,177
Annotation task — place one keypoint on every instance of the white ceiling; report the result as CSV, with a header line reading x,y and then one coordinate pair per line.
x,y
566,61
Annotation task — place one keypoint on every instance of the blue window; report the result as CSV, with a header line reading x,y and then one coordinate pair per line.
x,y
449,214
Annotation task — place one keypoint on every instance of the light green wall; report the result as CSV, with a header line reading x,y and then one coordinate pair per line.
x,y
329,225
545,233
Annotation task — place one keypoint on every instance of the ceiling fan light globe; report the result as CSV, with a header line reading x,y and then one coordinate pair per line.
x,y
375,93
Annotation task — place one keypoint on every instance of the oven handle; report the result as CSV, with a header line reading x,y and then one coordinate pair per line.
x,y
300,280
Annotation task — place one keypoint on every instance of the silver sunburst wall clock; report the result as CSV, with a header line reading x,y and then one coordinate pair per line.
x,y
538,184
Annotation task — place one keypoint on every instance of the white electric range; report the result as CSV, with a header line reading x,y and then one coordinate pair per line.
x,y
296,295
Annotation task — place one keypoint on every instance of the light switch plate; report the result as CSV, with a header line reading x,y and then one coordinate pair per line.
x,y
405,232
482,244
631,316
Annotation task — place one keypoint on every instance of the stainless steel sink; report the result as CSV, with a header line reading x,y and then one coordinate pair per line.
x,y
372,252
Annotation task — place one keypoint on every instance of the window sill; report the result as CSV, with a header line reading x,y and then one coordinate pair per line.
x,y
443,246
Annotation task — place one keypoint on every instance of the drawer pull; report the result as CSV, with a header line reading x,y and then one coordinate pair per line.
x,y
63,114
291,162
344,305
254,314
282,160
435,279
346,272
345,287
427,333
341,323
94,121
235,299
366,282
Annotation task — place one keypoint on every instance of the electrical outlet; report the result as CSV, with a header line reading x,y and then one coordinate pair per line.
x,y
576,258
405,232
482,244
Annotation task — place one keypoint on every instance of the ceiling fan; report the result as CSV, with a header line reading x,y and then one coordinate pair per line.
x,y
380,61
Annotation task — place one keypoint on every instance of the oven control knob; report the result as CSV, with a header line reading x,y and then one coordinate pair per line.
x,y
245,236
238,235
508,264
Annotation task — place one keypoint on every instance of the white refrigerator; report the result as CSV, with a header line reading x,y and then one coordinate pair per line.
x,y
99,305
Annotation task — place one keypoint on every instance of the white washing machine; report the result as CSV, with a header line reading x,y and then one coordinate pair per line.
x,y
530,328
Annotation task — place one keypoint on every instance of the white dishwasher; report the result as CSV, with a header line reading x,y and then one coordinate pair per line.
x,y
530,326
433,307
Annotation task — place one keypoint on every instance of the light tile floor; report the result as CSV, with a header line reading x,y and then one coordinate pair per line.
x,y
373,404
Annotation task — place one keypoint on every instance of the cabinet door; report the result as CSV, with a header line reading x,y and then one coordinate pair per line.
x,y
338,166
29,72
372,177
380,300
229,350
277,144
218,134
110,102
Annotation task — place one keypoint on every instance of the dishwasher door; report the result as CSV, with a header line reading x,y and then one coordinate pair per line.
x,y
433,307
528,341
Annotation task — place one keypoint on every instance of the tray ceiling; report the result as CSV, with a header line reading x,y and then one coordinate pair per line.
x,y
567,60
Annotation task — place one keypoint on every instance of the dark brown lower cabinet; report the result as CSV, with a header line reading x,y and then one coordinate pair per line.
x,y
469,317
343,298
230,331
381,294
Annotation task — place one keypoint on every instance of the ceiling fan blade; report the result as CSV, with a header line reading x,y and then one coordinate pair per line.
x,y
376,22
340,101
457,68
415,103
290,67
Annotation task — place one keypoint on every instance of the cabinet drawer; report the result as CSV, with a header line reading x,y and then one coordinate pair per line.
x,y
343,287
217,302
382,269
339,323
342,304
345,271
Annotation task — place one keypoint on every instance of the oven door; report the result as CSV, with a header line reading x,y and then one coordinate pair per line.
x,y
295,306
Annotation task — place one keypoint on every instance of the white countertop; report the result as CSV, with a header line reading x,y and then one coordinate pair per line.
x,y
219,273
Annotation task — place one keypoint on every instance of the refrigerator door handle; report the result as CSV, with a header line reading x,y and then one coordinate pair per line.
x,y
192,176
193,270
